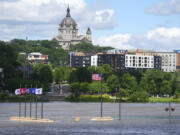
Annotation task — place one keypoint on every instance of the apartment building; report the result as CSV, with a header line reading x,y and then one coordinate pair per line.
x,y
169,61
80,59
116,61
94,60
139,61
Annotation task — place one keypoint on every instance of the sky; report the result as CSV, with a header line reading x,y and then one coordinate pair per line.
x,y
122,24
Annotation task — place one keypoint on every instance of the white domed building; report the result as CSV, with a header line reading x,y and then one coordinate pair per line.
x,y
68,33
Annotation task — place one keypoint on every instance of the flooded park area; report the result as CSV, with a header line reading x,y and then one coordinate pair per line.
x,y
135,119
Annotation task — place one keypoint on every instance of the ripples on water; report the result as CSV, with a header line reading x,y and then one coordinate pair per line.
x,y
137,119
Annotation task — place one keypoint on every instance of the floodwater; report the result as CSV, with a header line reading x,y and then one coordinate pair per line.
x,y
136,119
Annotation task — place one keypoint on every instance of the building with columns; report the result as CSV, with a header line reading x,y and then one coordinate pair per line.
x,y
68,33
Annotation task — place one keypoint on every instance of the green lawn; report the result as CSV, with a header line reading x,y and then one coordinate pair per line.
x,y
163,100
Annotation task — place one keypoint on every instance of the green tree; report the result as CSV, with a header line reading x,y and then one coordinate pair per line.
x,y
112,82
137,74
177,92
107,71
175,83
144,86
95,87
80,74
74,88
122,93
152,88
129,83
139,96
166,87
59,74
88,47
43,73
8,60
84,87
100,70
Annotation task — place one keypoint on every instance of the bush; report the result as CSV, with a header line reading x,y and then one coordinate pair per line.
x,y
7,98
3,97
90,98
177,94
140,96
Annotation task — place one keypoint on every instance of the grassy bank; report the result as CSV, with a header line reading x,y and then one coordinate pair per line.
x,y
90,98
107,98
163,100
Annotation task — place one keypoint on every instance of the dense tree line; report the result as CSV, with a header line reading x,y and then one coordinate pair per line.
x,y
56,55
136,85
88,47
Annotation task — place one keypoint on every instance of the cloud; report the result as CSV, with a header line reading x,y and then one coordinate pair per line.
x,y
38,31
165,8
159,39
117,41
37,10
104,18
31,14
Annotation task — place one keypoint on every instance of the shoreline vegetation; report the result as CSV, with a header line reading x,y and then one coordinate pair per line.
x,y
92,98
14,98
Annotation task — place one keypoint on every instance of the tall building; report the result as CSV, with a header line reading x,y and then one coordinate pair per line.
x,y
94,60
116,61
139,61
169,61
157,62
79,59
68,33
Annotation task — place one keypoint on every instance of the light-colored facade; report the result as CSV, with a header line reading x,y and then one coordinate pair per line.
x,y
139,61
94,60
178,59
68,33
169,61
36,57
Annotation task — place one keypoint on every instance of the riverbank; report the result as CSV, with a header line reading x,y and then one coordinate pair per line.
x,y
14,98
107,98
89,98
163,100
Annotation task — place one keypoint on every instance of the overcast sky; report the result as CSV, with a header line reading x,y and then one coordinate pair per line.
x,y
123,24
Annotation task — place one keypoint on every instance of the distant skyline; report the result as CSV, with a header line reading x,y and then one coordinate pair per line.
x,y
122,24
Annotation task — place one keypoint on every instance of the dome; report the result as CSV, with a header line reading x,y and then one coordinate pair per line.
x,y
68,21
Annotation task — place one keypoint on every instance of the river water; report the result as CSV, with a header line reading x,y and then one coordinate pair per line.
x,y
136,119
